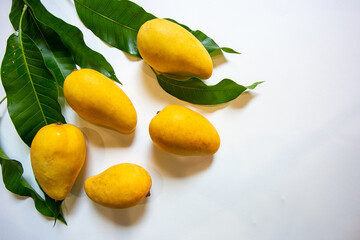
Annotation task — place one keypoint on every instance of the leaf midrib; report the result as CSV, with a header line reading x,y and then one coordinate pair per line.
x,y
48,46
28,71
105,17
198,88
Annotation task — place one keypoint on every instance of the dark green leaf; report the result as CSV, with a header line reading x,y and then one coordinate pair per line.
x,y
30,88
72,38
12,172
56,56
210,45
194,90
115,22
15,13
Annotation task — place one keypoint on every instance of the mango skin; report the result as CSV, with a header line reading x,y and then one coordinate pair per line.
x,y
182,131
169,48
57,155
120,186
100,100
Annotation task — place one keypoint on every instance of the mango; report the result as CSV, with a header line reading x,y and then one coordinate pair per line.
x,y
57,155
171,49
100,100
182,131
120,186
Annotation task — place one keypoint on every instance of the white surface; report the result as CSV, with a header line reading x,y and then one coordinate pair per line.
x,y
288,166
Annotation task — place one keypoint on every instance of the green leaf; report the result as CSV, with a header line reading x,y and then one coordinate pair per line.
x,y
210,45
194,90
115,22
15,13
73,39
12,172
229,50
30,88
56,56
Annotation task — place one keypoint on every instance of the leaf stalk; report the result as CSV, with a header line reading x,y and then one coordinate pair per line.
x,y
2,100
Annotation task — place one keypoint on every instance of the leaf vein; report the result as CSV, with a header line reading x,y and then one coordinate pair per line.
x,y
105,17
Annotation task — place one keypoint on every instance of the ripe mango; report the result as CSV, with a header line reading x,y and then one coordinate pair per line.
x,y
169,48
180,130
57,155
100,100
121,186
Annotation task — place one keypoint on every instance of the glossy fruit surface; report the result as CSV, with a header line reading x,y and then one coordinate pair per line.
x,y
57,154
180,130
121,186
100,100
170,48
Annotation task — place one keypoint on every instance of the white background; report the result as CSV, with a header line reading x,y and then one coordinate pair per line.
x,y
289,162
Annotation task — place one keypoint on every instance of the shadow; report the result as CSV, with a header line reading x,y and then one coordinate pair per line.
x,y
77,188
92,136
132,58
125,217
71,2
218,58
151,84
156,186
102,136
243,100
240,102
147,72
180,166
18,197
210,108
79,183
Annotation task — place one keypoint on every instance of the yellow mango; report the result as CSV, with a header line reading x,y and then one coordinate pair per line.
x,y
57,155
100,100
120,186
180,130
169,48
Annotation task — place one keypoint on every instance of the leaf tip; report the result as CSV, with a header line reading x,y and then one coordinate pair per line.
x,y
254,85
229,50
